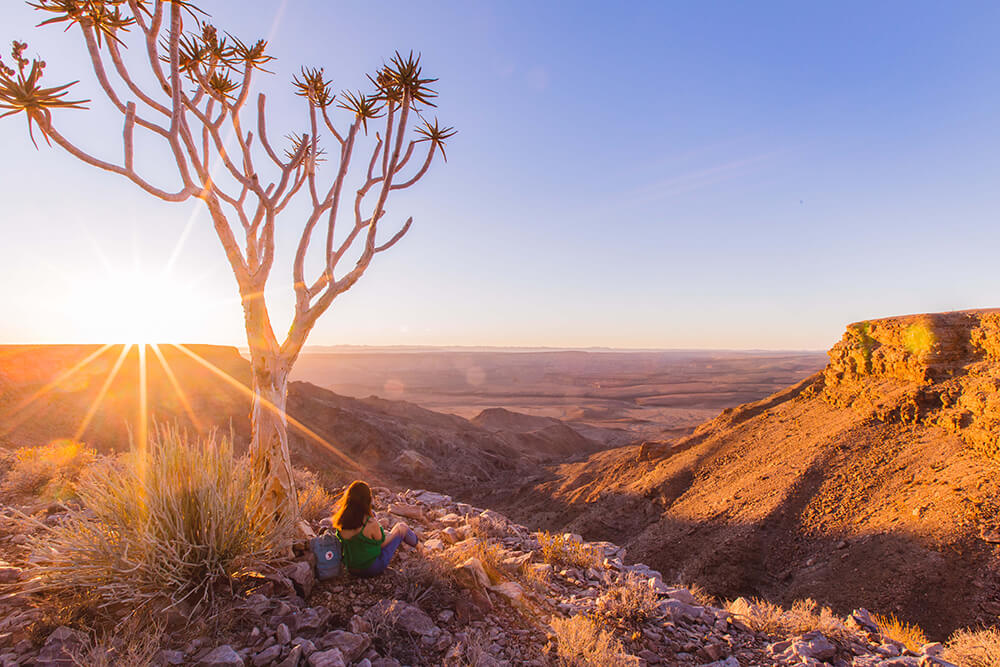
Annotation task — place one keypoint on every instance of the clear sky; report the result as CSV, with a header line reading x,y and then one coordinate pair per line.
x,y
659,174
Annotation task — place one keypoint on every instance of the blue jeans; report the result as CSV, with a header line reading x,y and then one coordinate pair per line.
x,y
388,551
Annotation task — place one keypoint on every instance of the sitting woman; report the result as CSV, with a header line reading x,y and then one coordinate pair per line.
x,y
367,549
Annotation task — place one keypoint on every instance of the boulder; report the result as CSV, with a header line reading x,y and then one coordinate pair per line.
x,y
731,661
814,645
331,658
682,594
401,616
861,619
351,645
431,498
302,577
513,592
677,610
59,648
167,657
293,658
407,511
267,656
312,618
223,656
472,575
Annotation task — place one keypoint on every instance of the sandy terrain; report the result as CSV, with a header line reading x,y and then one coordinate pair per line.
x,y
626,395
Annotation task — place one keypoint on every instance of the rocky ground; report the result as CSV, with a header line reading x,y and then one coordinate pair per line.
x,y
479,590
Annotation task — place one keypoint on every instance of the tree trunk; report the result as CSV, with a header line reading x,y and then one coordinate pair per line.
x,y
269,436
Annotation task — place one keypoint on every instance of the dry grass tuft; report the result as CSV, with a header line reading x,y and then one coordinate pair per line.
x,y
535,577
910,636
129,645
49,471
704,598
315,503
803,616
472,650
582,643
561,550
176,523
627,604
974,648
429,575
491,554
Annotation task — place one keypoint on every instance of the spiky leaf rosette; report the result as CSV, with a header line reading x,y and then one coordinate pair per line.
x,y
21,90
104,16
311,85
437,135
401,77
365,107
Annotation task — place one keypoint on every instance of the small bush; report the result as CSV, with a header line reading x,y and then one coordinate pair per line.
x,y
428,575
561,550
628,604
50,471
489,553
974,648
580,642
704,598
910,636
315,503
535,577
472,650
172,523
130,645
803,616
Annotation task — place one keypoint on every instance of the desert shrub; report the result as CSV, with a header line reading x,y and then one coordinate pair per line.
x,y
803,616
580,642
974,648
561,550
315,503
489,552
128,645
172,522
535,577
472,650
866,344
49,471
910,636
627,604
428,575
704,598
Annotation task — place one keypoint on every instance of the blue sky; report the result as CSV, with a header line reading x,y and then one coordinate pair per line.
x,y
659,174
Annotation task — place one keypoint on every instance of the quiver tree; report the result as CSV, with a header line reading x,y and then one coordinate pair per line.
x,y
197,105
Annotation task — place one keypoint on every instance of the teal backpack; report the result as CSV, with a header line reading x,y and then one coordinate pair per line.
x,y
327,549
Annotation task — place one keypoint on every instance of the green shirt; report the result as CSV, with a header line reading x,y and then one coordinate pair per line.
x,y
361,551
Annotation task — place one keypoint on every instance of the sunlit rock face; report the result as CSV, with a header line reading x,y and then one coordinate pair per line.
x,y
937,369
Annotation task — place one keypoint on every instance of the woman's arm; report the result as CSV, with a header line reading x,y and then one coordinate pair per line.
x,y
372,529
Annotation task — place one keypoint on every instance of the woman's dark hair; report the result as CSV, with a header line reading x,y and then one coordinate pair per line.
x,y
355,506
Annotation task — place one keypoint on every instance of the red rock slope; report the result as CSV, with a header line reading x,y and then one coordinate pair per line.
x,y
873,483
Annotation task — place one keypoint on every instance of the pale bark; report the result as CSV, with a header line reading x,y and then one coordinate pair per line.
x,y
269,435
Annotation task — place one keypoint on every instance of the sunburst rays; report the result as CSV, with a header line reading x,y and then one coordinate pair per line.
x,y
96,404
181,394
246,391
22,411
143,413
